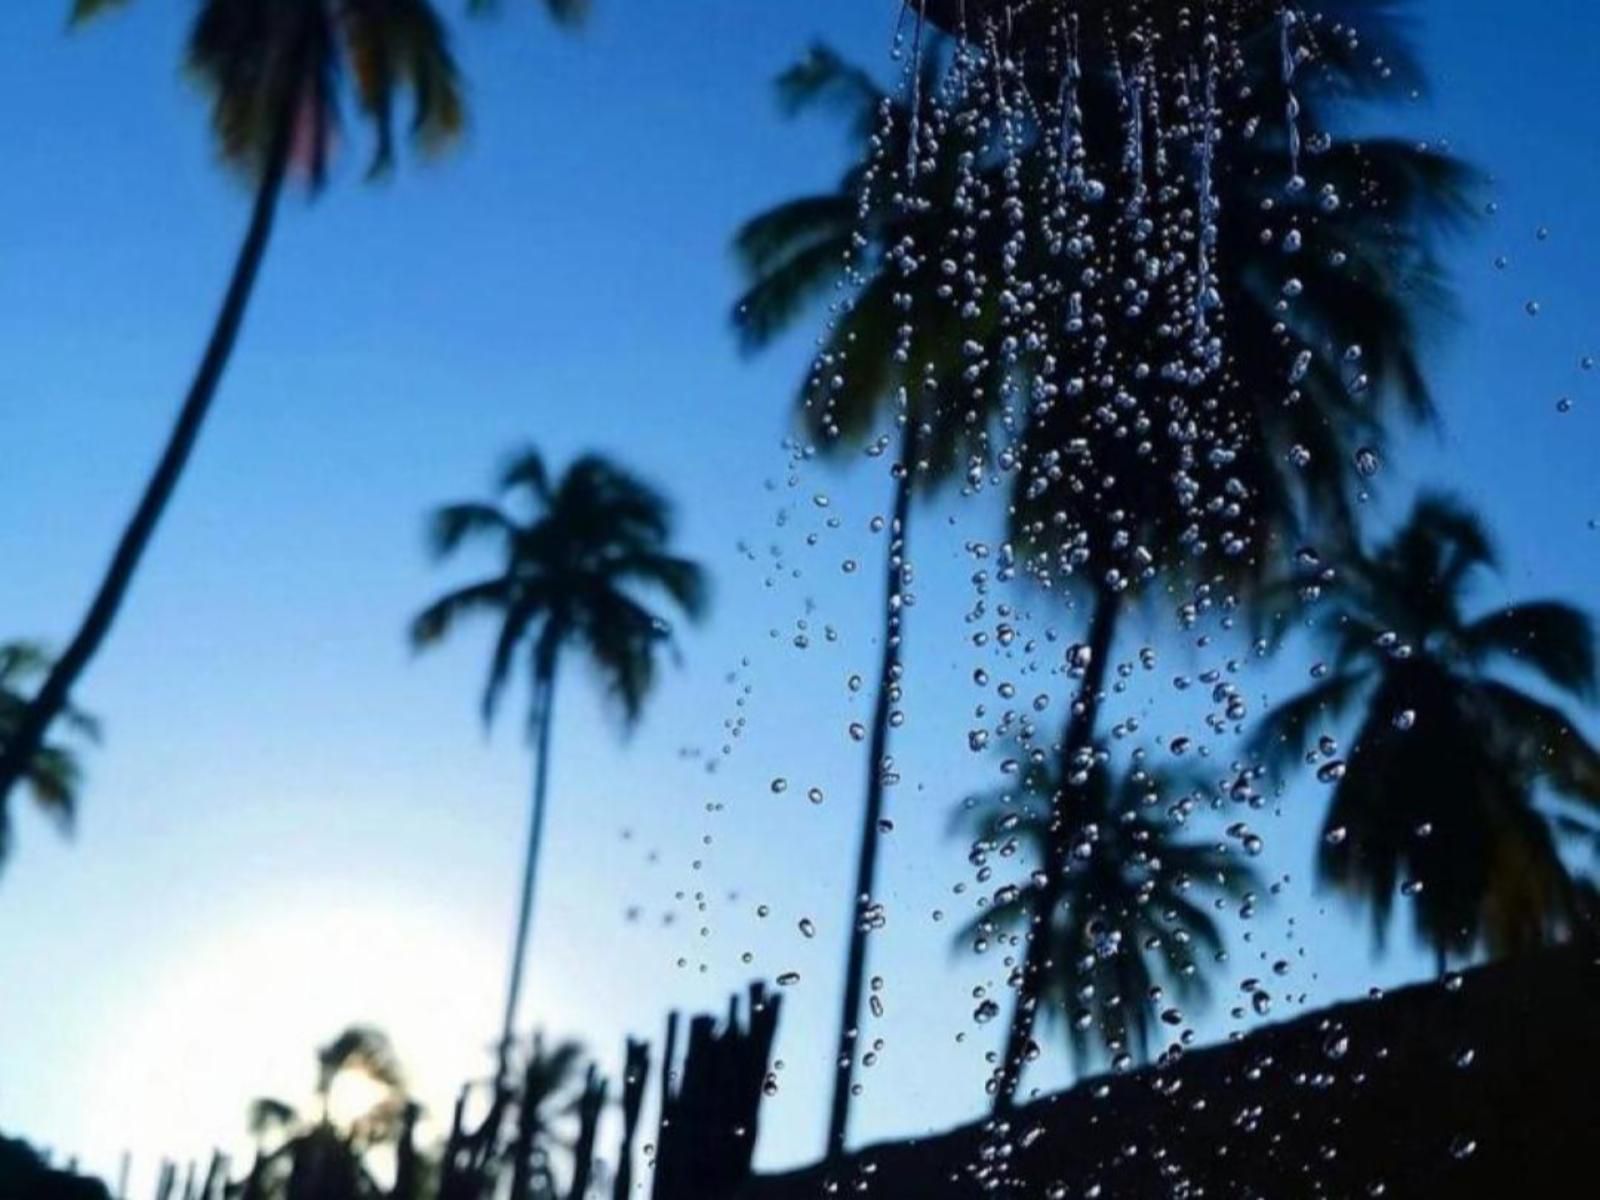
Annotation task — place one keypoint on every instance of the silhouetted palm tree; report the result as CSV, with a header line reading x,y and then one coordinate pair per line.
x,y
895,356
1205,349
53,772
546,1094
322,1158
1127,929
1221,416
1438,797
273,72
576,554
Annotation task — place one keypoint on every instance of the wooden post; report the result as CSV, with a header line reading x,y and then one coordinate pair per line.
x,y
635,1074
710,1108
590,1105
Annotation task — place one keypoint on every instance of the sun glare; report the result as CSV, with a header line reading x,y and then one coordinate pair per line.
x,y
242,1014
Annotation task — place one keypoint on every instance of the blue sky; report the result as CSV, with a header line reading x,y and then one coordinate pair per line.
x,y
293,824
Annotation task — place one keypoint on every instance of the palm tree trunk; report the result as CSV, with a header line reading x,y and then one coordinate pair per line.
x,y
1078,736
867,856
544,686
53,696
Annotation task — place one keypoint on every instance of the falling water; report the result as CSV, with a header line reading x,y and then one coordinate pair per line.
x,y
1291,101
1207,200
914,131
1133,155
1071,145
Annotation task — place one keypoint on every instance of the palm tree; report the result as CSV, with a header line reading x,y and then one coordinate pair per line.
x,y
1229,405
322,1157
576,554
271,70
1191,429
878,367
1127,929
546,1093
1440,796
53,773
274,72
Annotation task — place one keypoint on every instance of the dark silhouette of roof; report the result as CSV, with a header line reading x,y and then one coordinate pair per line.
x,y
1485,1085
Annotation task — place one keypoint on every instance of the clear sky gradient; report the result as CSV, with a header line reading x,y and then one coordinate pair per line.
x,y
293,824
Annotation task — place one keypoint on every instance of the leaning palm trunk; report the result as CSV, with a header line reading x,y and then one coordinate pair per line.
x,y
867,857
544,684
53,696
1064,826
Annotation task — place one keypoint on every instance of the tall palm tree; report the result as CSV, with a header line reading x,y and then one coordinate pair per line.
x,y
274,71
897,357
1444,792
576,556
1199,374
1231,399
1128,929
53,772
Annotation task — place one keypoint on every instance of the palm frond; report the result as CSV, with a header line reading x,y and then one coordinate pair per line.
x,y
436,622
396,45
525,470
774,236
1550,638
364,1049
268,1115
84,10
21,661
54,776
1283,735
453,524
684,580
1545,742
622,637
823,77
784,289
601,500
1445,539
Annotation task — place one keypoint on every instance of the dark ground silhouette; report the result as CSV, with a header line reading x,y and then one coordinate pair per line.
x,y
24,1175
1486,1089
